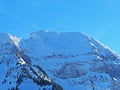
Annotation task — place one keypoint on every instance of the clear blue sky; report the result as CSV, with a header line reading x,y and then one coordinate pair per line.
x,y
98,18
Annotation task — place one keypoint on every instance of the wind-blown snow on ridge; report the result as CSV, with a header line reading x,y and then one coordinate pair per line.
x,y
5,38
70,60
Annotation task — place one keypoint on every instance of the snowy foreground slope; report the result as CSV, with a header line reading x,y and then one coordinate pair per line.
x,y
57,61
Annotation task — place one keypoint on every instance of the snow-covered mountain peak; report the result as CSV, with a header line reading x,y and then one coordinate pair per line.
x,y
50,33
57,61
59,43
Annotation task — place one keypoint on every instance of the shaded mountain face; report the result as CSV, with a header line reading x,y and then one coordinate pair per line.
x,y
57,61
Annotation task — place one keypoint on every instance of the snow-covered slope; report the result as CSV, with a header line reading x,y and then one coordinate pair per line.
x,y
58,61
16,70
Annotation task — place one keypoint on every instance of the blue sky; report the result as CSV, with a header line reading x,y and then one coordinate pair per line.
x,y
98,18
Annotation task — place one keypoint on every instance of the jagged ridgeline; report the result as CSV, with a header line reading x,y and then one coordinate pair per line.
x,y
57,61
